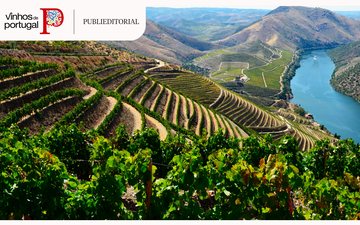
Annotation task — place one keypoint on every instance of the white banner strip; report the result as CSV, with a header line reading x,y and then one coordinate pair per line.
x,y
72,20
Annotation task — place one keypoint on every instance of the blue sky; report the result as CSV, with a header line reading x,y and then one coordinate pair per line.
x,y
346,5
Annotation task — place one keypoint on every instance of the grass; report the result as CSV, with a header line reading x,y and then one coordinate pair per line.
x,y
233,65
272,72
243,57
211,54
213,59
229,70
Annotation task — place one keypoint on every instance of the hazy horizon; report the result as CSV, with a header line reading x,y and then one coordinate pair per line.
x,y
346,5
269,9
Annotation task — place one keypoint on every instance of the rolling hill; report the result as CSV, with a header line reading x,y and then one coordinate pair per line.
x,y
165,44
289,27
180,35
265,51
206,24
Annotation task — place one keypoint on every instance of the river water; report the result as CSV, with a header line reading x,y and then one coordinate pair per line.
x,y
312,90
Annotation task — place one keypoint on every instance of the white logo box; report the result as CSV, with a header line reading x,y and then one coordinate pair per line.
x,y
82,20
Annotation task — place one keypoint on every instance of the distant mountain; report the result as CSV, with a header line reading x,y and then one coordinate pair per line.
x,y
288,27
207,24
346,78
166,44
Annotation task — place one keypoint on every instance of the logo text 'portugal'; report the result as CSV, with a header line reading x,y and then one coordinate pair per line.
x,y
52,17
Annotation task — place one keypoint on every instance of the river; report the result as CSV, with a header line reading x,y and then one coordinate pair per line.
x,y
312,90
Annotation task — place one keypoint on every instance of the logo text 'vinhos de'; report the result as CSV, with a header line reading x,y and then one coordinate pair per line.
x,y
72,20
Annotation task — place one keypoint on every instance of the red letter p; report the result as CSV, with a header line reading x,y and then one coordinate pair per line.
x,y
51,17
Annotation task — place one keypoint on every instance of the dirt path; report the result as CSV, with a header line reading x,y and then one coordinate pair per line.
x,y
176,109
214,121
267,63
230,131
18,101
262,74
218,98
207,120
137,116
94,116
242,69
111,104
138,97
160,64
272,51
48,116
92,92
221,123
182,115
25,78
248,65
242,133
117,80
190,110
107,72
125,117
158,93
126,89
166,105
157,125
199,122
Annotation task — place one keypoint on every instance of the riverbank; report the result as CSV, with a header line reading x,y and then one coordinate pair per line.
x,y
288,74
345,78
311,90
290,71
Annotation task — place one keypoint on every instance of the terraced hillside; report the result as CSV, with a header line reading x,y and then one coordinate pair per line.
x,y
83,56
186,82
247,114
174,109
240,111
40,96
37,95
